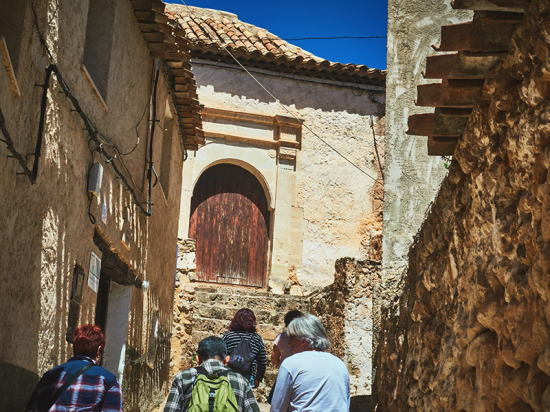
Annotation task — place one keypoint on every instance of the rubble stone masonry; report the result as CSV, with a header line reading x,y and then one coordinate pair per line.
x,y
470,331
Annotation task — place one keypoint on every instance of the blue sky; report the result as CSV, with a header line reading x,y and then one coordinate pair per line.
x,y
291,19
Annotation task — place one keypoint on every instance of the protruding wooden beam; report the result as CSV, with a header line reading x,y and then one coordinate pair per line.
x,y
154,5
443,123
455,37
450,122
421,124
147,27
441,146
492,31
462,65
516,6
429,95
460,93
156,37
151,17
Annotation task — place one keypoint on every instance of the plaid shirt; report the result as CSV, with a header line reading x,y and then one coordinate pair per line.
x,y
180,392
95,390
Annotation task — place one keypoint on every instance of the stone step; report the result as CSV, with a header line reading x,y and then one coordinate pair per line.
x,y
226,313
219,327
271,303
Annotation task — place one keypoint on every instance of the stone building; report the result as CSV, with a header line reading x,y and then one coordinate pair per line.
x,y
89,229
470,331
306,205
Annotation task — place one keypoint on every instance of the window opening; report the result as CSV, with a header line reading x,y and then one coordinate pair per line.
x,y
74,305
99,42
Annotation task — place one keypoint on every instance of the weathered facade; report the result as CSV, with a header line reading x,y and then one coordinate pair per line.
x,y
412,177
472,331
313,205
68,257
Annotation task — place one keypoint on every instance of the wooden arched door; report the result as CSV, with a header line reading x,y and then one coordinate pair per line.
x,y
230,221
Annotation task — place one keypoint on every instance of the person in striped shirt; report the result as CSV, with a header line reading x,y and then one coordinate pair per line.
x,y
97,389
243,326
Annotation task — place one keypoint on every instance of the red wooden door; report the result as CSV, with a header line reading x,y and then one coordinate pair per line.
x,y
230,221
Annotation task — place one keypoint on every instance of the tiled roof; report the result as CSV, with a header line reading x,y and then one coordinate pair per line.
x,y
478,47
209,31
163,43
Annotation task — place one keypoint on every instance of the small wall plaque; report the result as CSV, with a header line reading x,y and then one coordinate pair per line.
x,y
94,272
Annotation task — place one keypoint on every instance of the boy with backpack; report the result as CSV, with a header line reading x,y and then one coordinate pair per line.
x,y
211,387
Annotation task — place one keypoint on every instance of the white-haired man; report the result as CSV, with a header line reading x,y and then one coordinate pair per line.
x,y
310,379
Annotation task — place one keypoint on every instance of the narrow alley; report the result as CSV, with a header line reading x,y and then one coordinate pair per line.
x,y
197,211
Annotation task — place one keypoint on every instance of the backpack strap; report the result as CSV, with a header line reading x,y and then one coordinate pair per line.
x,y
67,383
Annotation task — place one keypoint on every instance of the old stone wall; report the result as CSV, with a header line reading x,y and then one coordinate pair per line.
x,y
46,228
345,309
471,331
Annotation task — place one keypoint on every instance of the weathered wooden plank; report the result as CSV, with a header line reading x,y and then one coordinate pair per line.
x,y
157,37
429,95
440,66
421,124
455,37
450,122
460,93
146,5
147,26
151,17
492,31
496,5
441,146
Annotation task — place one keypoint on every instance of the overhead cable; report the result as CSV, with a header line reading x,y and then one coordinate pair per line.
x,y
224,47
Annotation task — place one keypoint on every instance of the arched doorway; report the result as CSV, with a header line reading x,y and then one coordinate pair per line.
x,y
230,221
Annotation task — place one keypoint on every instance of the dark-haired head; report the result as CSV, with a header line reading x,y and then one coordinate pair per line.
x,y
243,321
211,348
290,316
87,339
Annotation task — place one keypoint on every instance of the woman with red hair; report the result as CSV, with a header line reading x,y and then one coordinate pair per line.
x,y
79,384
243,326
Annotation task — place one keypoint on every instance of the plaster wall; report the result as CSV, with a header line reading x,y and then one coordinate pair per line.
x,y
323,207
45,226
412,177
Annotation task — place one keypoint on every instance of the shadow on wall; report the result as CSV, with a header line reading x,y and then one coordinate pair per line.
x,y
17,385
360,403
303,94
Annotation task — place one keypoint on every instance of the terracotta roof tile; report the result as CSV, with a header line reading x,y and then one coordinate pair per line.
x,y
212,30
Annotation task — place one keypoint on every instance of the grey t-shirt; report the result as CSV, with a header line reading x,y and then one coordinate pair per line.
x,y
312,381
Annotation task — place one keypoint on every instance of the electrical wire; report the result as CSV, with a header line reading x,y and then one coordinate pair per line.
x,y
89,126
338,37
224,47
376,147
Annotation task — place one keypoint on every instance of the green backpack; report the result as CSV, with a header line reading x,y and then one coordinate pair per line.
x,y
212,393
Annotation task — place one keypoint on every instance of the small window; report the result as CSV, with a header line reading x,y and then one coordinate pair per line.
x,y
12,17
166,150
99,42
74,305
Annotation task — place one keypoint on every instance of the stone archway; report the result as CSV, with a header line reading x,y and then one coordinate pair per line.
x,y
230,222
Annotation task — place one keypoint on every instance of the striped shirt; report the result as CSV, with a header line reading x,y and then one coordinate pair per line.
x,y
182,388
97,389
232,339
